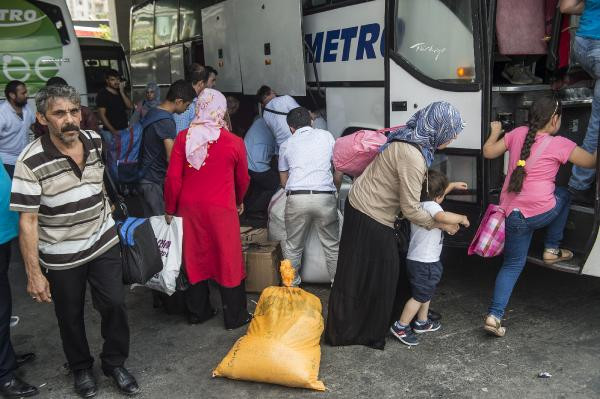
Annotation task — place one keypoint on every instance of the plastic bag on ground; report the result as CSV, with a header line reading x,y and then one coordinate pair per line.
x,y
282,345
170,239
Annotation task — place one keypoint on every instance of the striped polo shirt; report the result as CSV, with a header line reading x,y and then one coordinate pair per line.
x,y
74,217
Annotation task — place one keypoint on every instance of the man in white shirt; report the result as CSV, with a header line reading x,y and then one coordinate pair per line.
x,y
275,110
305,168
16,118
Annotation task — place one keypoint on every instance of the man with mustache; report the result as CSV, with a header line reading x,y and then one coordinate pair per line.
x,y
68,238
16,118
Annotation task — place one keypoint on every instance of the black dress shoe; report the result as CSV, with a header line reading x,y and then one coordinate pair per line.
x,y
85,383
17,388
124,380
24,358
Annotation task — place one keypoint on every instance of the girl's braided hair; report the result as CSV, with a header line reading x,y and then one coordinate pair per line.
x,y
541,113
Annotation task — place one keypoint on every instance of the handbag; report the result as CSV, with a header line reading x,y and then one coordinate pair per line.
x,y
402,233
489,238
140,255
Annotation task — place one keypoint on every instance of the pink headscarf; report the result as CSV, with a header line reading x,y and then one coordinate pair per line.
x,y
206,127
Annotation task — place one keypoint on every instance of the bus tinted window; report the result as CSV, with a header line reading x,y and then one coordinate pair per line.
x,y
436,38
190,17
308,4
142,30
459,168
55,15
165,22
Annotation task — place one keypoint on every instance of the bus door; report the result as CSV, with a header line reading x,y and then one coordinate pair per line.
x,y
435,54
220,45
250,32
511,100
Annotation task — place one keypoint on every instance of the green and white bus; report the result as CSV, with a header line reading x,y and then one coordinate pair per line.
x,y
37,42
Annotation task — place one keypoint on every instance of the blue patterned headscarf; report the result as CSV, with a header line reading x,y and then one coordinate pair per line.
x,y
430,127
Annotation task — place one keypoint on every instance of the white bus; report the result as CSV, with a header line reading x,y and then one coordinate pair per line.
x,y
372,64
37,42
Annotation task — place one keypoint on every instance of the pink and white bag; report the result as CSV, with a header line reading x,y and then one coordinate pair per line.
x,y
489,239
354,152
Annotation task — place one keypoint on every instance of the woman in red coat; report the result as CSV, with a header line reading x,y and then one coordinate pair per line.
x,y
206,182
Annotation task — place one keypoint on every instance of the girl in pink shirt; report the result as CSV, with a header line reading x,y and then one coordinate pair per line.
x,y
530,197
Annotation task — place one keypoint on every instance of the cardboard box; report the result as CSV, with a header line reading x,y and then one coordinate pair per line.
x,y
252,235
262,265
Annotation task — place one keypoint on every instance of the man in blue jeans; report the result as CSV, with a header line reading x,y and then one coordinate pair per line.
x,y
587,53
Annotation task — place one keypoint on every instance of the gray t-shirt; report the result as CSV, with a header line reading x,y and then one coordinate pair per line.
x,y
154,155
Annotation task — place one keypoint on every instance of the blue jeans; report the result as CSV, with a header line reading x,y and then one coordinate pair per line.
x,y
519,231
587,52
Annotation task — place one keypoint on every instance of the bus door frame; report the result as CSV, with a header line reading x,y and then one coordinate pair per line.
x,y
482,41
593,244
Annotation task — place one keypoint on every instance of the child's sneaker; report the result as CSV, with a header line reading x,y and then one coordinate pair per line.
x,y
428,326
404,334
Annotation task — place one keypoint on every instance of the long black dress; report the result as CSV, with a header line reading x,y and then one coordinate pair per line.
x,y
370,286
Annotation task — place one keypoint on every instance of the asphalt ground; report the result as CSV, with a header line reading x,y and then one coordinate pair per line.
x,y
552,326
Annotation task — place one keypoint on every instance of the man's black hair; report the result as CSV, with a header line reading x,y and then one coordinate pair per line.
x,y
181,89
299,117
199,76
263,93
211,70
56,81
11,87
111,73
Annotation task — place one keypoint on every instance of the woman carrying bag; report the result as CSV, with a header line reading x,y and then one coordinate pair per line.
x,y
206,182
371,286
530,199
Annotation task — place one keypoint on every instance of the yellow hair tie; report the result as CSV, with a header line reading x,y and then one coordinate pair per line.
x,y
521,162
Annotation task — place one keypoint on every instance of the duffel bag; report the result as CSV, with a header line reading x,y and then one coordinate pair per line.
x,y
139,251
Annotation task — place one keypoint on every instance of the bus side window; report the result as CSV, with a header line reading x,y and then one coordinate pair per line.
x,y
459,168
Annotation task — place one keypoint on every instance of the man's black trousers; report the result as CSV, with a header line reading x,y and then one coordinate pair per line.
x,y
7,356
105,276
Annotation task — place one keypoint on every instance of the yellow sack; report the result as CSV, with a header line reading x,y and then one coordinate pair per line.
x,y
282,345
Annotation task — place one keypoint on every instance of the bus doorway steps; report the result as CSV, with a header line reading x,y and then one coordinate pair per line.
x,y
572,266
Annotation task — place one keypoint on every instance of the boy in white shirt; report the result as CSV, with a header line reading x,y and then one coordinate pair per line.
x,y
423,260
